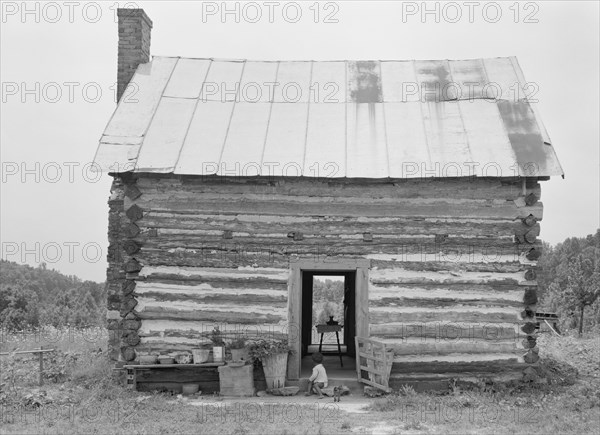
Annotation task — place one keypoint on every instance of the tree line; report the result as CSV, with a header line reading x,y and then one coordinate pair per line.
x,y
37,296
569,282
328,296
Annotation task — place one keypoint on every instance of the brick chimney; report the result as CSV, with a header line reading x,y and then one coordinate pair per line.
x,y
134,44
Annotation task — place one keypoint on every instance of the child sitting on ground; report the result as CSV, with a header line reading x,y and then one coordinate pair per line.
x,y
318,380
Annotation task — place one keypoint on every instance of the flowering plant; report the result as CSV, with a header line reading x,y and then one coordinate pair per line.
x,y
237,343
216,337
262,348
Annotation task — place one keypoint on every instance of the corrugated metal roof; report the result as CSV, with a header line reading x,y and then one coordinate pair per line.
x,y
355,119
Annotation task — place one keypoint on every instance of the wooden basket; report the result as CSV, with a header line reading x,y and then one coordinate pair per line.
x,y
275,368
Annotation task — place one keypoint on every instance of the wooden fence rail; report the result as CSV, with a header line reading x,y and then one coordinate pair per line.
x,y
41,351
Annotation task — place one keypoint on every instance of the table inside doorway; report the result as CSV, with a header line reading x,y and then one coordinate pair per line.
x,y
324,329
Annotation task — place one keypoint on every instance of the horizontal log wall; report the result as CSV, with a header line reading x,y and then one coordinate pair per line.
x,y
449,258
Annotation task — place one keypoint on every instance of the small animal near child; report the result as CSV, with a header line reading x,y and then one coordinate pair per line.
x,y
337,391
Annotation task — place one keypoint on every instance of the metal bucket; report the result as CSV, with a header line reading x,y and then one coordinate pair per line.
x,y
200,355
240,355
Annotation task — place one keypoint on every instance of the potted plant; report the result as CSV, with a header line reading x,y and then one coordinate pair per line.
x,y
238,349
273,354
218,344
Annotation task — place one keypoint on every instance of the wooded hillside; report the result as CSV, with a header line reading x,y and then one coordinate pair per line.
x,y
569,281
35,296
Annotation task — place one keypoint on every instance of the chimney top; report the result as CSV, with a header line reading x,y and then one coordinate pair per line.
x,y
123,13
134,45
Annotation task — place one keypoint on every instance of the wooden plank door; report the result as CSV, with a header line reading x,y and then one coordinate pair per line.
x,y
373,363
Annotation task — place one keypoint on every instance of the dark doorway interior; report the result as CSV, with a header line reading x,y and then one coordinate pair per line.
x,y
345,313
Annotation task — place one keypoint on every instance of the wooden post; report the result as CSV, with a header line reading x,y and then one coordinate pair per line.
x,y
337,336
357,351
41,351
41,358
362,302
295,321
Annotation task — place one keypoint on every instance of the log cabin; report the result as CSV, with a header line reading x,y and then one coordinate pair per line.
x,y
235,182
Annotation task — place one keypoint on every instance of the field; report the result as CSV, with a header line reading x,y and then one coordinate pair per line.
x,y
81,395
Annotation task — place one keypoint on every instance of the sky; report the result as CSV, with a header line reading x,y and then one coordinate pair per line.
x,y
58,70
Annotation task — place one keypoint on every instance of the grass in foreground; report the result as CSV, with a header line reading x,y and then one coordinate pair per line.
x,y
82,396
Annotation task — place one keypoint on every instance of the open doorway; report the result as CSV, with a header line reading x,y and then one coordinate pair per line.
x,y
329,298
355,273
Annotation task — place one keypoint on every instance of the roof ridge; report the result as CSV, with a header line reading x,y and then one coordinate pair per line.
x,y
233,59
